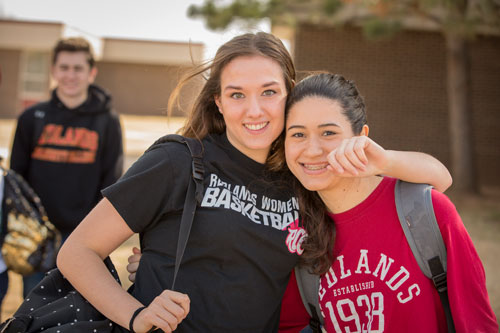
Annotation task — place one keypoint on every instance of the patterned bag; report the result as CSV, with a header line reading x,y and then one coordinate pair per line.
x,y
31,241
55,306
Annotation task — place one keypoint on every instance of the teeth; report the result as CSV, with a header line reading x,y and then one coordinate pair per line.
x,y
315,166
255,127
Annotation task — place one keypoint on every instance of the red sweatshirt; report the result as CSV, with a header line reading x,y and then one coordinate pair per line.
x,y
376,285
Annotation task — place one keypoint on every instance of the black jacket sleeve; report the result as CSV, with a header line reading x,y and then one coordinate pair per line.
x,y
112,167
23,144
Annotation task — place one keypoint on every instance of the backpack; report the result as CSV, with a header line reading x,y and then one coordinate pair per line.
x,y
54,305
31,242
416,216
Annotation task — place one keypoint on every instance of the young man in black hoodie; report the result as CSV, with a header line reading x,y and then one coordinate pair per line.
x,y
70,147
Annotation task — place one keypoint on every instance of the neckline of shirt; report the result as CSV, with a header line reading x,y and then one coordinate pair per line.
x,y
361,208
237,156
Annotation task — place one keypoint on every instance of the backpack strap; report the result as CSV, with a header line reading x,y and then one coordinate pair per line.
x,y
308,287
194,193
416,215
39,123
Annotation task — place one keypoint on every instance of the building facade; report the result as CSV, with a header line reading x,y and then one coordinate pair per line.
x,y
140,74
403,80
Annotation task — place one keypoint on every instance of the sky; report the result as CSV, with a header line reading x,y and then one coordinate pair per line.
x,y
164,20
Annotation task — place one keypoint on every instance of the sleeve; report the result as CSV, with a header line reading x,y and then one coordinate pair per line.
x,y
153,186
469,302
293,316
22,145
112,167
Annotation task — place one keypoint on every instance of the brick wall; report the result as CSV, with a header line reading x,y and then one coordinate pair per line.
x,y
404,83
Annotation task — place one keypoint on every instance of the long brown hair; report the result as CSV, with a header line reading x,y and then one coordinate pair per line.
x,y
318,246
204,117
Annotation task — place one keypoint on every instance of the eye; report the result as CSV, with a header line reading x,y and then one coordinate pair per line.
x,y
328,133
237,95
268,92
297,135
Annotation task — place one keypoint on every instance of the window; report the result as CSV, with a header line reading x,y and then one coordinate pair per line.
x,y
34,77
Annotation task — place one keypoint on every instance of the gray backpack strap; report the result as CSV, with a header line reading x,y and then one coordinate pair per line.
x,y
416,215
309,288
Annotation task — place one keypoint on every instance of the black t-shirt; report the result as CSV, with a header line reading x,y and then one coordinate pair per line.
x,y
236,264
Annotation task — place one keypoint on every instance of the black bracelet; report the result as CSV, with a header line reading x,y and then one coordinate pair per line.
x,y
131,323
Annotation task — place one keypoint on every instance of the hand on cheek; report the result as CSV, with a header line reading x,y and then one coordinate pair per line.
x,y
349,158
358,156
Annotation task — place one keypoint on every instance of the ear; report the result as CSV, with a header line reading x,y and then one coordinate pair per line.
x,y
93,74
365,130
218,103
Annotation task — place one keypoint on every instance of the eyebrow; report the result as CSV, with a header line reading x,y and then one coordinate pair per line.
x,y
68,66
319,126
329,124
265,85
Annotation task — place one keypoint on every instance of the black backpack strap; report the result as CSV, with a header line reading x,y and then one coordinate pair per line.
x,y
196,150
416,215
38,125
439,279
308,287
194,193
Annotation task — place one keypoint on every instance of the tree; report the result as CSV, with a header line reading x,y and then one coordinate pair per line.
x,y
457,20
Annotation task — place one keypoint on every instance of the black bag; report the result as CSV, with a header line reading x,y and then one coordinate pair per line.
x,y
31,241
55,306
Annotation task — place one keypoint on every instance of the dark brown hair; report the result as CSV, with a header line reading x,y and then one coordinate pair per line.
x,y
204,117
318,246
74,44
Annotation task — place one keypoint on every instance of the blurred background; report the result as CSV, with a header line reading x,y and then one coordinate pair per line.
x,y
429,71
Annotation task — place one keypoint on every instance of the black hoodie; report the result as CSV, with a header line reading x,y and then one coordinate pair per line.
x,y
69,155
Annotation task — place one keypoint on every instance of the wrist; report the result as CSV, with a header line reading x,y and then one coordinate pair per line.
x,y
390,160
132,319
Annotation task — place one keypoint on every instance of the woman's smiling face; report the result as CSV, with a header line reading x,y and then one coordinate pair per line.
x,y
252,102
314,127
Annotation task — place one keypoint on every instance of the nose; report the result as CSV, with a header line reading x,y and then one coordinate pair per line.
x,y
70,73
313,147
254,108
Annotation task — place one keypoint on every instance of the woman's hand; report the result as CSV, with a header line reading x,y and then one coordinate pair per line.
x,y
165,312
133,263
358,156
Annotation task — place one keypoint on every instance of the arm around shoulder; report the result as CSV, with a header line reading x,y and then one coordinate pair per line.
x,y
418,167
360,156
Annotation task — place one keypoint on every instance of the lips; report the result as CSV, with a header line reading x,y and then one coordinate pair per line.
x,y
314,168
69,86
256,126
